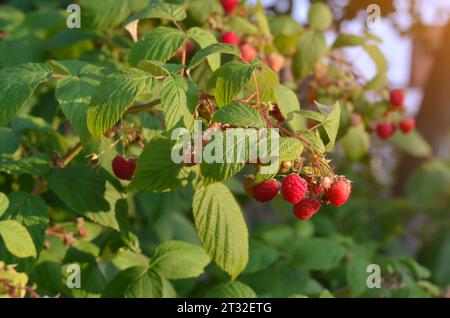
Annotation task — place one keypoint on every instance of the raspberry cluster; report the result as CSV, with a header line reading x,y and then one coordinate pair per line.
x,y
386,129
306,195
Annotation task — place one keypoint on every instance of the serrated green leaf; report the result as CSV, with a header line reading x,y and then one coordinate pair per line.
x,y
356,142
90,194
160,44
31,212
205,38
17,239
157,68
290,148
221,227
319,254
156,170
320,16
267,81
113,96
135,282
230,160
101,15
38,165
179,97
239,115
74,92
311,48
232,290
216,48
159,10
312,115
314,139
230,79
17,84
178,260
344,39
331,125
287,100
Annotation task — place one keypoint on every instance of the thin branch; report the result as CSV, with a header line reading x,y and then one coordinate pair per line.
x,y
69,155
142,108
258,100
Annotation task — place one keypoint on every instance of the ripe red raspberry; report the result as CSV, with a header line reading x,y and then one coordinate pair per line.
x,y
339,191
385,130
248,52
230,38
294,188
229,5
123,168
265,191
275,61
406,125
306,208
396,97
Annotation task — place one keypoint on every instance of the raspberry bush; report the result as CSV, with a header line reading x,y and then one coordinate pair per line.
x,y
87,176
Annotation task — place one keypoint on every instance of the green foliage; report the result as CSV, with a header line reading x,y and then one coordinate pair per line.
x,y
221,227
115,93
72,100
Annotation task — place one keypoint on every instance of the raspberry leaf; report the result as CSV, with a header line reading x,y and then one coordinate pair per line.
x,y
178,260
179,96
229,80
135,282
156,170
113,96
239,115
221,227
231,290
17,239
211,52
17,85
160,44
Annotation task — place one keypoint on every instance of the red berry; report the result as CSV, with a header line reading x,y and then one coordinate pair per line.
x,y
248,52
275,61
294,188
123,168
306,208
265,191
406,125
229,5
230,38
385,130
339,192
396,97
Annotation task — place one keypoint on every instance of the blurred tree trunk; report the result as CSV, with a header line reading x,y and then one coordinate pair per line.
x,y
433,120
